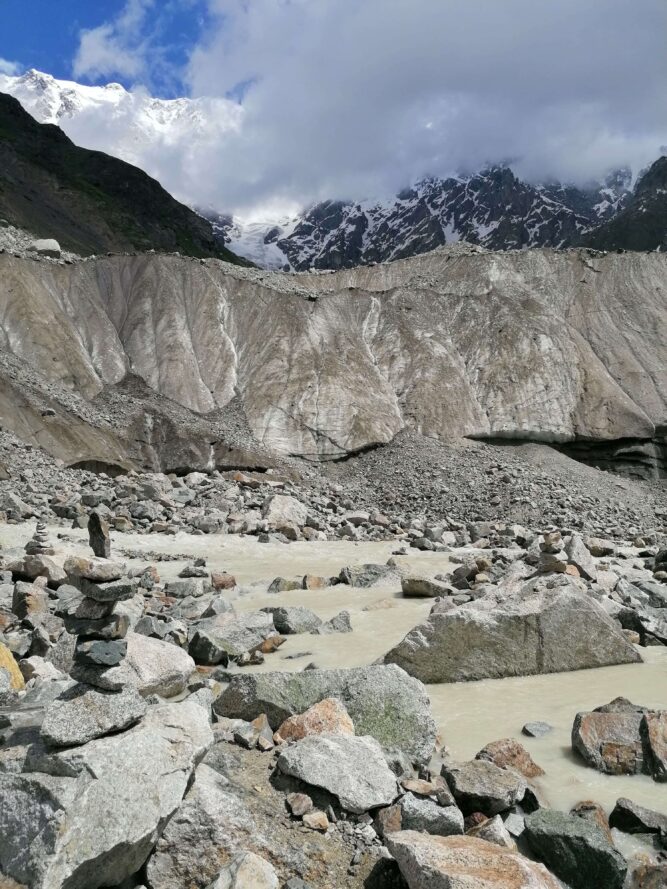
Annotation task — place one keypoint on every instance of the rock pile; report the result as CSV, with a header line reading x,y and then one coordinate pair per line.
x,y
39,544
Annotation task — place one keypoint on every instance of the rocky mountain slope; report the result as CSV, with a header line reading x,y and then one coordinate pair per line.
x,y
642,223
492,208
558,346
89,201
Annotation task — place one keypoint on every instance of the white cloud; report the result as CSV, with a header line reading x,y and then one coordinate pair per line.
x,y
11,69
115,48
355,98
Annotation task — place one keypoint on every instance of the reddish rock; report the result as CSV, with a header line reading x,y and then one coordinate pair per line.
x,y
509,754
299,804
388,820
592,811
222,581
316,820
314,582
418,786
328,716
655,731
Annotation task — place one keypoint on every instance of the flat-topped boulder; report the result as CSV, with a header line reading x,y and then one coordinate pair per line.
x,y
546,626
382,701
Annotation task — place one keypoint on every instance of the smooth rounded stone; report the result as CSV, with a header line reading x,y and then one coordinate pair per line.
x,y
46,247
100,652
92,814
339,623
211,825
115,626
493,830
536,729
382,701
351,768
368,575
425,814
509,754
82,713
415,587
293,619
150,665
9,665
99,536
610,739
575,849
326,717
96,569
463,862
480,786
247,871
538,629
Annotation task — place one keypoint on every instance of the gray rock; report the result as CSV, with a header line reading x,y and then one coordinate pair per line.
x,y
339,623
46,247
247,871
545,627
91,816
415,587
632,818
419,813
180,589
579,555
98,535
212,824
82,713
368,575
100,652
281,509
151,666
293,619
115,626
112,591
352,768
216,640
537,729
462,862
481,786
382,701
96,569
575,849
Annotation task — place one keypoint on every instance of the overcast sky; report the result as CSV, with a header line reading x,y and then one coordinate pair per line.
x,y
356,98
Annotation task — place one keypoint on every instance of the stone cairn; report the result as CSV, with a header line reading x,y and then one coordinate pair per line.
x,y
39,544
100,630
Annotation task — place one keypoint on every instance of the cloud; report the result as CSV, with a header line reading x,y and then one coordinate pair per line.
x,y
354,98
117,47
11,69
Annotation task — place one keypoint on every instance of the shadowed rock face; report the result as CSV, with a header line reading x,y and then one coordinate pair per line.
x,y
537,345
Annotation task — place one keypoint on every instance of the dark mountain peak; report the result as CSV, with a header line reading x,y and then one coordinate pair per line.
x,y
89,201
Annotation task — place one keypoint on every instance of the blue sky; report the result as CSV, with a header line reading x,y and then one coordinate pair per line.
x,y
49,37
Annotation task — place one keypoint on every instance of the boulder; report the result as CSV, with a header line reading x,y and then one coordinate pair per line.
x,y
509,754
293,619
90,815
632,818
579,555
575,849
382,701
654,730
97,570
536,729
82,713
216,640
609,738
29,599
281,510
151,666
326,717
418,813
247,871
46,247
543,628
339,623
210,827
368,575
351,768
98,535
415,587
480,786
493,830
463,862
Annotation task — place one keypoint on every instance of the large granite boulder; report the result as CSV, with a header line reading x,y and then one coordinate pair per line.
x,y
577,850
217,639
547,626
351,768
82,713
89,816
610,739
462,862
382,700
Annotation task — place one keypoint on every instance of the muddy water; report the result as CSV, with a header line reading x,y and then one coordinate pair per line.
x,y
469,715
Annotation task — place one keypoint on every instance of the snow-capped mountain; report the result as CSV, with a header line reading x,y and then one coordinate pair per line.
x,y
171,139
492,208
